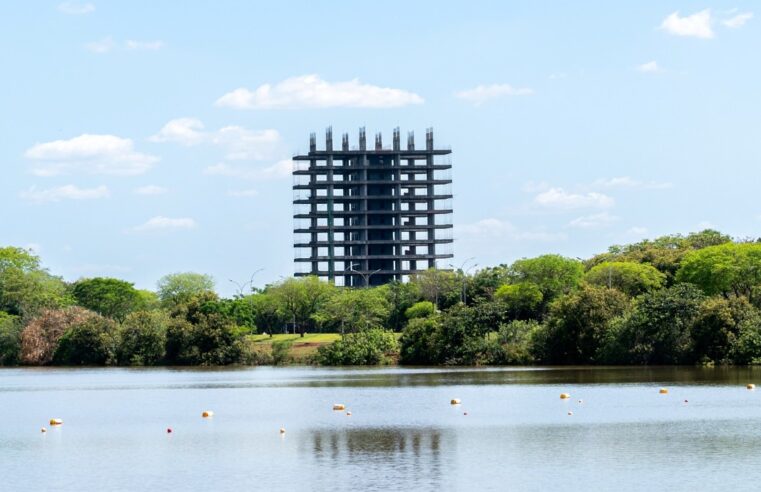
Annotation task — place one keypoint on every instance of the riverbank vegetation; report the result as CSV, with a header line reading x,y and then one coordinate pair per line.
x,y
692,299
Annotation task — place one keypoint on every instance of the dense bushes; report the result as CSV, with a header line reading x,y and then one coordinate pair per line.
x,y
673,300
367,347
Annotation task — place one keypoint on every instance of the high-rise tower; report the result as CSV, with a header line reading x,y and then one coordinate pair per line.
x,y
369,216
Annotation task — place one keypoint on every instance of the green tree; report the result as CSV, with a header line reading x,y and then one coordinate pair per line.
x,y
726,269
658,329
664,253
717,327
177,288
90,343
418,343
142,338
422,309
401,296
441,287
578,323
363,348
25,287
554,275
355,309
108,297
299,299
10,339
630,278
521,300
514,343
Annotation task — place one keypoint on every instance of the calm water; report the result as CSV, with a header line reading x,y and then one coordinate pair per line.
x,y
403,433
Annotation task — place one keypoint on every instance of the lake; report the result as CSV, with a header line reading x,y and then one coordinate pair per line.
x,y
511,431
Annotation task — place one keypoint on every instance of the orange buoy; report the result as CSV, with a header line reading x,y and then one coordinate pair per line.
x,y
207,414
339,406
455,401
56,422
565,396
750,386
663,391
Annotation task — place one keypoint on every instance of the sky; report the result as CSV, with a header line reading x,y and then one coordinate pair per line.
x,y
144,138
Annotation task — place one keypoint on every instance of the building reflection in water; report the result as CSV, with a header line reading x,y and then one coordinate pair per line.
x,y
367,455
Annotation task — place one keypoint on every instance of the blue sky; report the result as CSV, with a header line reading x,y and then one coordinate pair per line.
x,y
144,138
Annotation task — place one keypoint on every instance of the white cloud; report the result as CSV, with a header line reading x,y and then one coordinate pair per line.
x,y
151,190
161,223
558,198
102,46
310,91
76,8
637,231
492,228
91,154
68,192
629,182
594,221
649,67
243,193
696,25
482,93
738,20
281,169
131,44
240,143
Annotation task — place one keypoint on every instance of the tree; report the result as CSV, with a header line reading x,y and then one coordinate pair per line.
x,y
578,323
554,275
40,337
401,296
10,339
177,288
717,327
142,338
89,343
521,300
441,287
418,342
25,287
108,297
630,278
515,343
363,348
299,299
657,331
422,309
355,309
727,269
664,253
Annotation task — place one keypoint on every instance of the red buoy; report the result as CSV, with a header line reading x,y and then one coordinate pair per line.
x,y
168,430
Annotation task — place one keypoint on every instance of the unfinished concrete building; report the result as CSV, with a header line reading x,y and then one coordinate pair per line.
x,y
369,216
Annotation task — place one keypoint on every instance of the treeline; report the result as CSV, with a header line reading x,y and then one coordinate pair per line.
x,y
692,299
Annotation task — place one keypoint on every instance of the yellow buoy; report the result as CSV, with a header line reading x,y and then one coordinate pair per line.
x,y
455,401
751,386
339,406
565,396
663,391
207,414
56,422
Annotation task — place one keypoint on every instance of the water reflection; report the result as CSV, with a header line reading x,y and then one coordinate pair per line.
x,y
367,457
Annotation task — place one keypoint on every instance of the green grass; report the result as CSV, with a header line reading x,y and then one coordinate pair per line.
x,y
309,338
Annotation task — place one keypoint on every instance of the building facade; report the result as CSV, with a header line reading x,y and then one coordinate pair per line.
x,y
369,216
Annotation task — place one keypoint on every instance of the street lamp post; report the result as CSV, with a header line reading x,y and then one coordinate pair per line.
x,y
365,276
463,294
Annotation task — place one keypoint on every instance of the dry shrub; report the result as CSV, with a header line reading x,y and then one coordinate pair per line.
x,y
40,336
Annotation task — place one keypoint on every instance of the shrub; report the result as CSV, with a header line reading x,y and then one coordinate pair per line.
x,y
39,338
211,340
142,338
363,348
418,342
10,339
514,343
281,350
421,309
89,343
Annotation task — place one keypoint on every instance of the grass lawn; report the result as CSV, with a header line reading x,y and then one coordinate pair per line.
x,y
302,348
